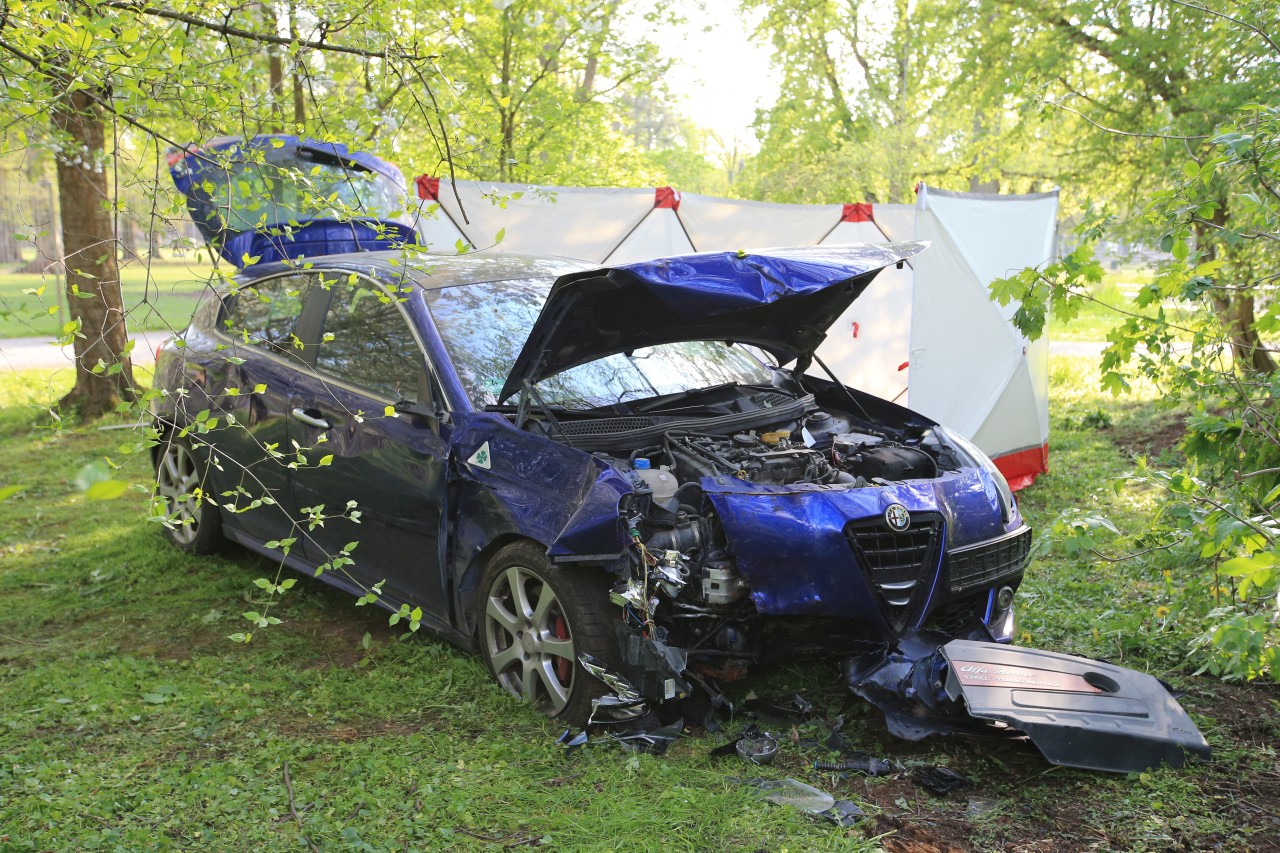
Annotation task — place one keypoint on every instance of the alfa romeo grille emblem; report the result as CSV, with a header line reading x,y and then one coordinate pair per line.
x,y
897,517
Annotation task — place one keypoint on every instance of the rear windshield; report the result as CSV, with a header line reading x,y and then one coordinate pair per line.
x,y
256,195
484,327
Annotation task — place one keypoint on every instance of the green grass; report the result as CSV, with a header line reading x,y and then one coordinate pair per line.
x,y
161,297
130,722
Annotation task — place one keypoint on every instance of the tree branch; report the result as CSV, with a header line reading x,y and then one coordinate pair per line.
x,y
249,35
1119,132
1224,16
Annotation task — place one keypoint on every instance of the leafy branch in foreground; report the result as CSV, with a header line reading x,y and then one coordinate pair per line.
x,y
1221,510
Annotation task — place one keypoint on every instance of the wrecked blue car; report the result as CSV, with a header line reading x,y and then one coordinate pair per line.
x,y
623,487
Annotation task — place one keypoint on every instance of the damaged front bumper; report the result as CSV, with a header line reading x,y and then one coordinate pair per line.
x,y
1077,712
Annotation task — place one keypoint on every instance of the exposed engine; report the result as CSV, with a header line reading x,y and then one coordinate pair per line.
x,y
685,589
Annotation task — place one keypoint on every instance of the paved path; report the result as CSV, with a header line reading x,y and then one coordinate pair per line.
x,y
45,354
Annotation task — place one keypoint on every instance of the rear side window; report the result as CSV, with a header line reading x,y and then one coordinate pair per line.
x,y
265,314
368,343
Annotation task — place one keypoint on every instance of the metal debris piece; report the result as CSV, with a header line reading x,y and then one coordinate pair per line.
x,y
631,595
758,750
620,685
940,780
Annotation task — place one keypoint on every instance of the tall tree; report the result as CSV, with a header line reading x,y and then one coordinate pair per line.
x,y
536,85
1148,84
90,78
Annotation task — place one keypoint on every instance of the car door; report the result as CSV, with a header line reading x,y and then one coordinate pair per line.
x,y
379,477
264,353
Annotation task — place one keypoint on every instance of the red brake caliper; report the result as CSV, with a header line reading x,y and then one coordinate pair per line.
x,y
563,665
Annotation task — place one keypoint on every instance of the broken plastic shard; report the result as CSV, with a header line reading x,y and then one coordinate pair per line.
x,y
571,741
844,813
940,780
979,806
790,792
654,741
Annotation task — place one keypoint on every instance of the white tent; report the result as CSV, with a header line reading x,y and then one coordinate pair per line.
x,y
928,333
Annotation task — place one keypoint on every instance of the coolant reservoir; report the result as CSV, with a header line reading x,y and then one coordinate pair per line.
x,y
662,481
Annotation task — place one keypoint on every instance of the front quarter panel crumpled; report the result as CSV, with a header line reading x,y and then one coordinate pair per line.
x,y
564,499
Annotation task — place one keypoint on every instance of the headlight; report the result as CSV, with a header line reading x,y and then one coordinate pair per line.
x,y
981,460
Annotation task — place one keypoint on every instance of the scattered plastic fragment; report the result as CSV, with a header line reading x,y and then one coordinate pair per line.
x,y
758,750
653,741
571,741
941,780
793,793
864,763
797,709
844,813
978,806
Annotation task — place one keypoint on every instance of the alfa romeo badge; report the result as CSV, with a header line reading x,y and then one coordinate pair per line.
x,y
897,517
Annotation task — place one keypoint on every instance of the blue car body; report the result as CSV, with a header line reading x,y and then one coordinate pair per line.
x,y
733,523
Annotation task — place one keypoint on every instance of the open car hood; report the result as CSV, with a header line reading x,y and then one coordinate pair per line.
x,y
782,300
279,197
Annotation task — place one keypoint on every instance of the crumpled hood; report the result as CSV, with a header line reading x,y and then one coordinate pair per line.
x,y
781,300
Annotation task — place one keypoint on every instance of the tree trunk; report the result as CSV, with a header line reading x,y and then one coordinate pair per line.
x,y
1235,310
299,96
275,71
90,261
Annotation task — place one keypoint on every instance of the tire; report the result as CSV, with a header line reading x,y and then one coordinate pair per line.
x,y
195,521
535,619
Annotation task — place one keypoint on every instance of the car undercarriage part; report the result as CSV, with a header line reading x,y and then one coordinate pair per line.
x,y
1077,712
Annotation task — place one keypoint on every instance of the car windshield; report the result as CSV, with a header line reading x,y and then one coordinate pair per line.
x,y
484,327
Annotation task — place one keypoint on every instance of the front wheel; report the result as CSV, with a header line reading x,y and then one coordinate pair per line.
x,y
194,522
537,619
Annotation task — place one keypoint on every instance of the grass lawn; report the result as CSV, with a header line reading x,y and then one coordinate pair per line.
x,y
130,722
161,297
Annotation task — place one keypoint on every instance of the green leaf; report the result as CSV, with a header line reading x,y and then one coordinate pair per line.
x,y
106,490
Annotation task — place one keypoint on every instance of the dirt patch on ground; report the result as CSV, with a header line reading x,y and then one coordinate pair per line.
x,y
1158,437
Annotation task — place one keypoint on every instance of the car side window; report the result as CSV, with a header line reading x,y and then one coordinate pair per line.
x,y
265,314
368,343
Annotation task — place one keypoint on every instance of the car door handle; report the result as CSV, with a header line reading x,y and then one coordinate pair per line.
x,y
311,418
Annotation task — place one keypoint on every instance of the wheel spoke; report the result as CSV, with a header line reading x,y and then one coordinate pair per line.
x,y
555,647
519,595
171,468
505,658
546,601
555,690
509,621
529,682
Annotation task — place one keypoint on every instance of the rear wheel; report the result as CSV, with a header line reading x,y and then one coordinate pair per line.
x,y
194,521
536,620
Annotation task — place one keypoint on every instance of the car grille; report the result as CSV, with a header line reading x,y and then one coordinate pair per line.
x,y
952,619
982,565
895,562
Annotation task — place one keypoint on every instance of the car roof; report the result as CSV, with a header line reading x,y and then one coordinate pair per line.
x,y
428,271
